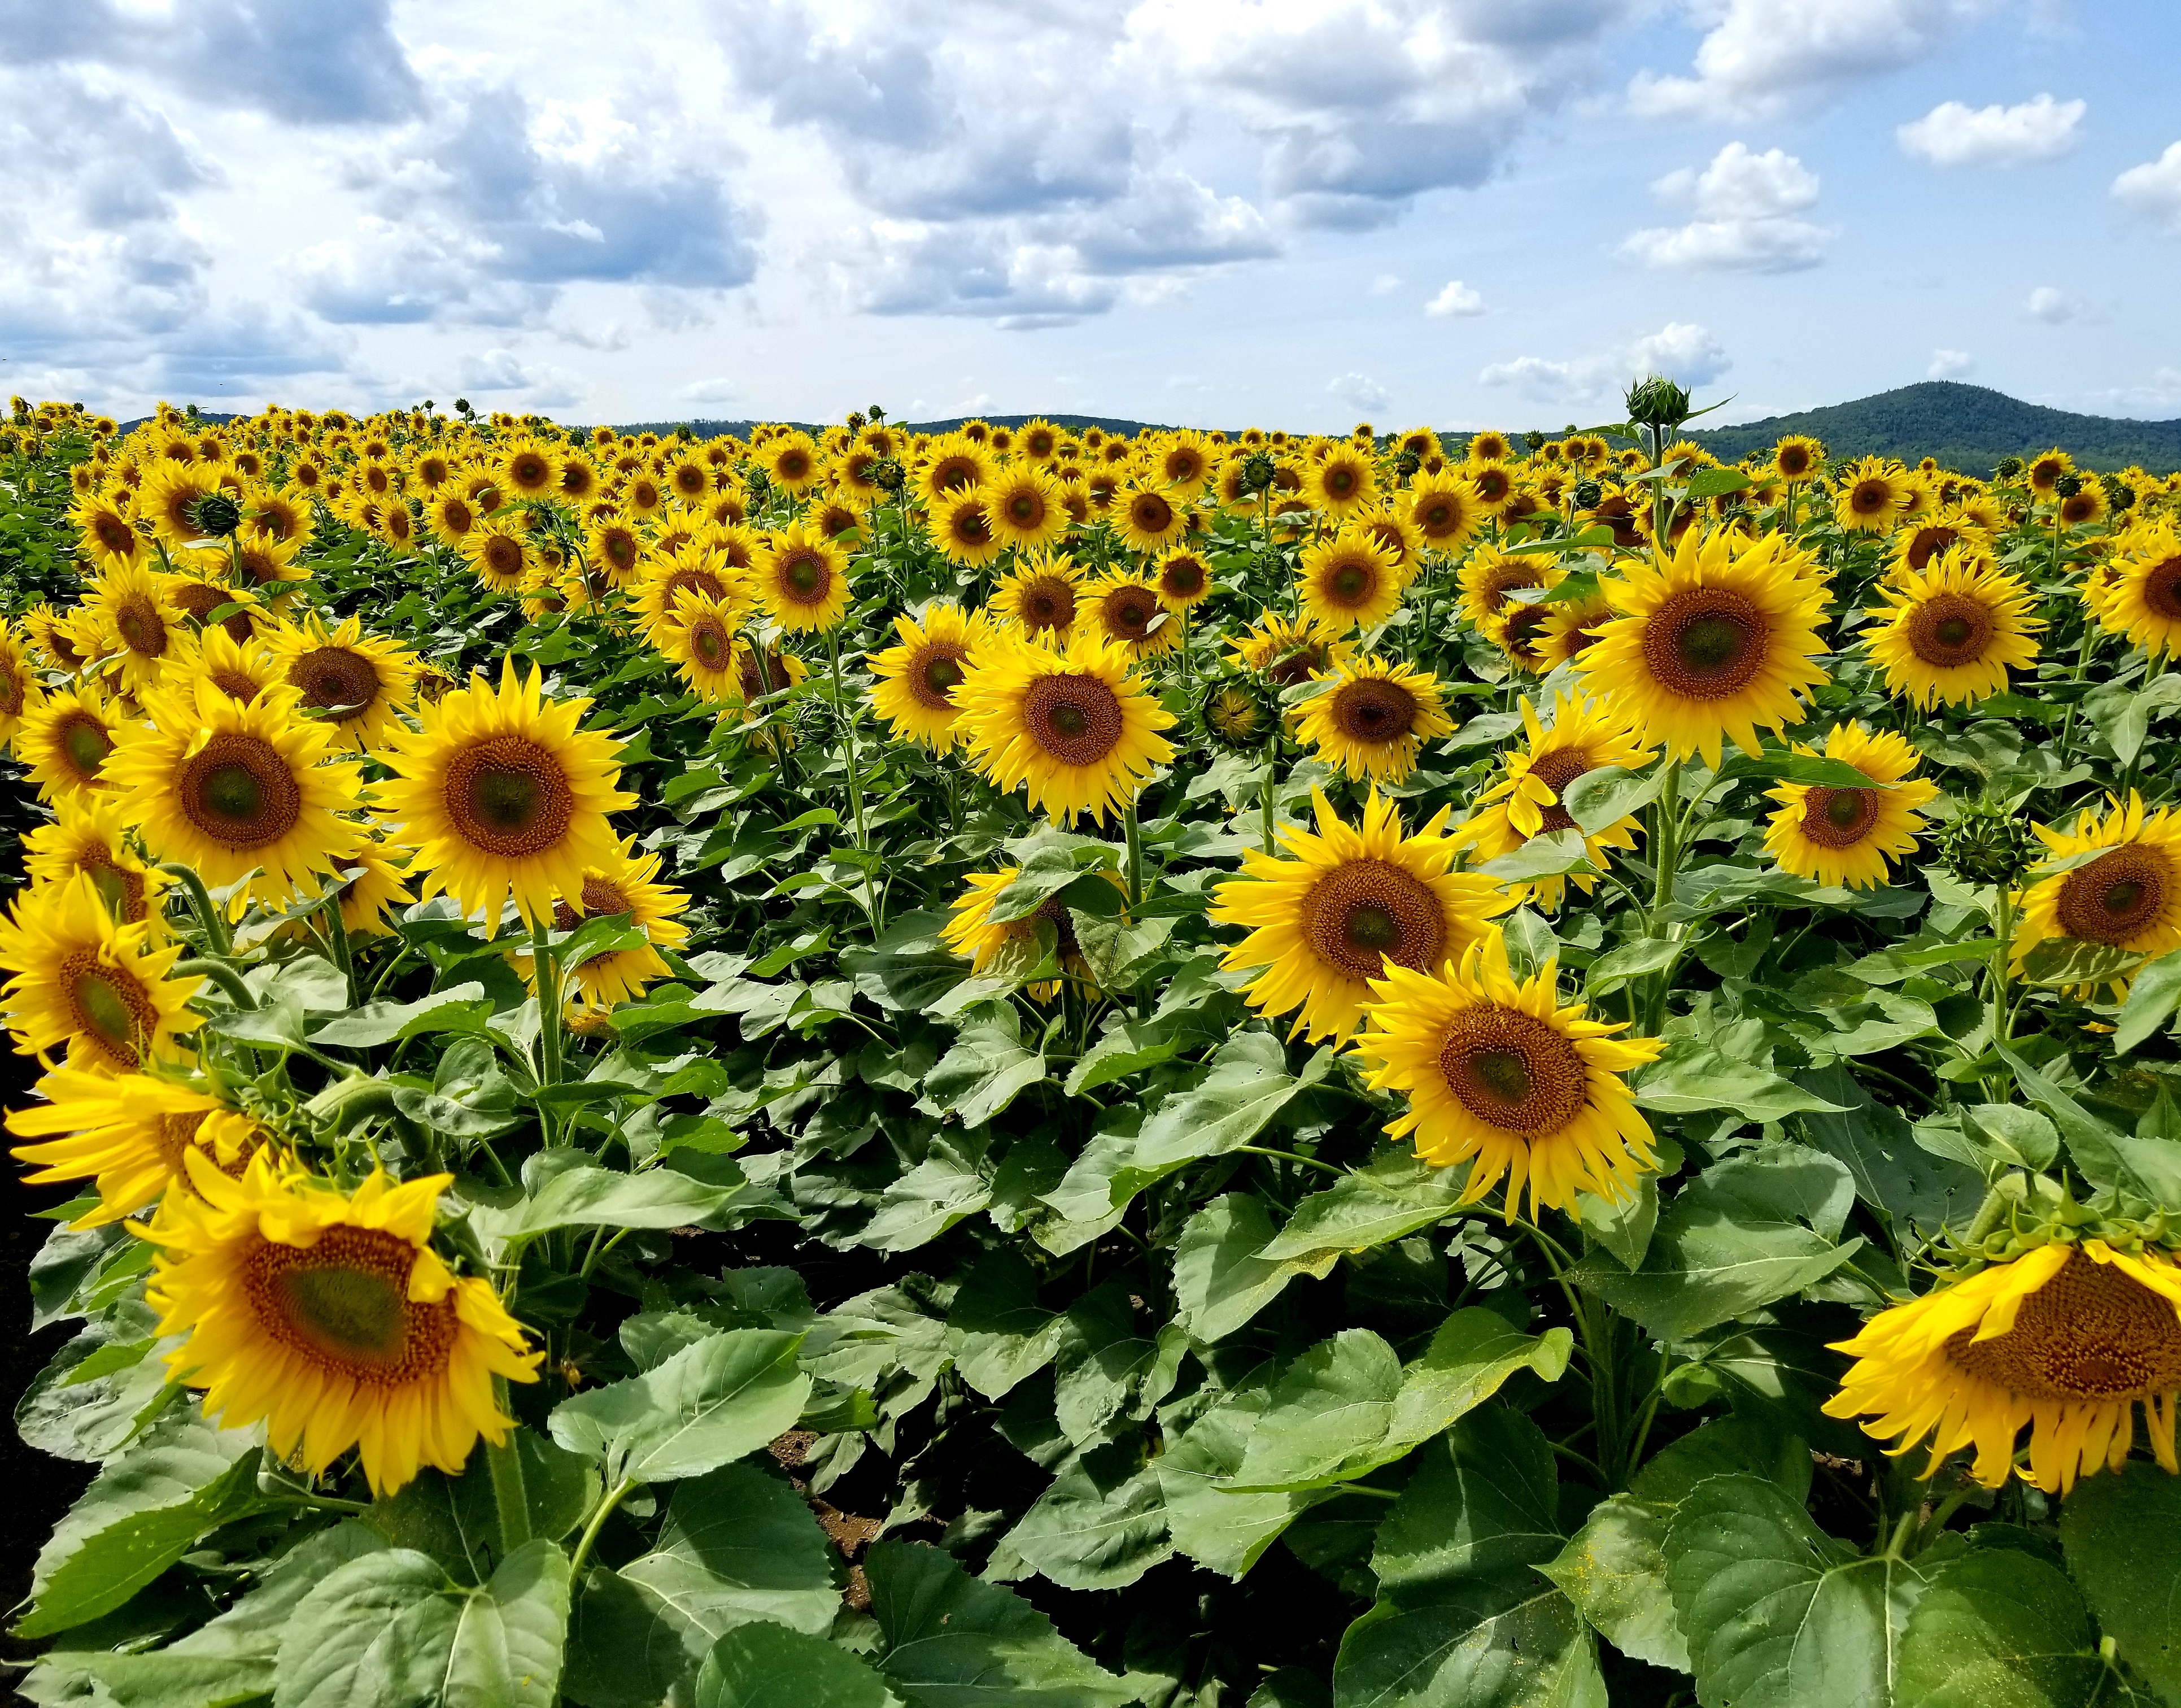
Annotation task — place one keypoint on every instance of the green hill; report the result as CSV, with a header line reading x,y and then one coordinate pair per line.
x,y
1968,428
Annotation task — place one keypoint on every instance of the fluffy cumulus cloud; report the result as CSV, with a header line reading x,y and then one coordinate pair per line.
x,y
1950,364
1456,301
1748,209
2153,189
2049,304
1685,352
1359,391
1955,134
1759,58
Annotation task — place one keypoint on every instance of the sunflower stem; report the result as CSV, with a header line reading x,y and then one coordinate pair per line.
x,y
547,972
220,973
1666,843
1132,832
2002,1031
504,1459
1270,794
604,1510
337,936
1293,1157
216,939
847,715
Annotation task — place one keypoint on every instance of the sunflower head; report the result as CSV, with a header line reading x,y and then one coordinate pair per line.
x,y
1043,593
1350,581
1846,836
1950,633
915,682
84,979
1238,713
2127,897
1374,718
803,581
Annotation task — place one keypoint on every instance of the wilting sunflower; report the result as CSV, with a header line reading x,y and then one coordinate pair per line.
x,y
1341,906
1127,609
1183,579
2142,599
914,683
1849,837
136,622
628,884
327,1316
1497,1074
1527,800
2065,1339
227,787
1349,580
82,980
1951,633
66,739
1874,494
1072,726
1374,719
2129,898
1715,641
499,553
358,683
1011,946
1148,519
86,837
1443,512
1339,482
128,1132
962,527
1022,506
1286,652
803,581
1043,593
501,794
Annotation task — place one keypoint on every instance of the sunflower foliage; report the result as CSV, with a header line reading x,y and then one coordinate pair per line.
x,y
861,1067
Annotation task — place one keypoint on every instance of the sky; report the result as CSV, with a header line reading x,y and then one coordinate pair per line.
x,y
1210,212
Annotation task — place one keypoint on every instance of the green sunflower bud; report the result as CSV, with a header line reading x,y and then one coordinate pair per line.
x,y
1237,713
1985,845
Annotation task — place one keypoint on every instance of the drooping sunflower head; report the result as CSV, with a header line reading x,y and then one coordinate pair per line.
x,y
1340,906
2127,898
84,979
1847,836
357,684
1075,726
1374,719
1127,610
129,1133
1043,593
2065,1339
1349,580
500,793
915,681
1951,633
1498,1075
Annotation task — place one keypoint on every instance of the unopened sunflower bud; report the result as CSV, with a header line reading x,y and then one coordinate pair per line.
x,y
1657,402
1588,495
1258,471
1407,463
1985,845
216,514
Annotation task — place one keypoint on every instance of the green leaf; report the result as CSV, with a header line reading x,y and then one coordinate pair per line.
x,y
1550,854
1492,1644
949,1641
922,1204
1483,1503
1219,1279
2058,963
1701,1078
908,969
709,1403
1599,800
1717,482
1005,1336
765,1667
146,1509
1631,960
1085,1536
1124,1049
1470,1359
1247,1086
2151,999
1119,952
1388,1199
586,1197
2119,1532
1222,1531
1998,1629
1777,1614
1891,1172
390,1630
458,1008
983,1072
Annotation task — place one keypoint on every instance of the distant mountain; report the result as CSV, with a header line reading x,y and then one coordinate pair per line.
x,y
1968,428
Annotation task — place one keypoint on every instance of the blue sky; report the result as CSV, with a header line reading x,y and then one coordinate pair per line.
x,y
1214,212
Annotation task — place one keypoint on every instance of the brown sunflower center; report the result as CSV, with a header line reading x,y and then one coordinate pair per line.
x,y
1076,719
503,556
107,1005
805,578
84,742
1512,1070
1556,769
1839,818
1870,497
618,546
1492,594
343,1304
2115,897
709,643
1182,578
1794,462
1128,611
122,887
2161,589
1949,630
937,673
143,630
1025,507
509,796
2089,1333
176,1135
1524,625
1365,913
1047,601
115,535
331,677
1292,667
1493,485
693,581
1927,543
1374,712
1437,517
952,474
239,791
971,525
1706,643
1351,582
1150,513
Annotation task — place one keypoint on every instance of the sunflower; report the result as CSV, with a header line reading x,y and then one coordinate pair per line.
x,y
1490,574
1951,633
371,887
1011,946
1183,579
229,788
1127,609
1042,592
952,465
2044,474
358,683
1287,653
792,463
452,516
803,581
1073,725
66,739
1339,482
501,794
501,554
269,567
20,692
962,527
914,683
1527,800
1794,458
626,884
2067,1339
1023,507
110,539
85,981
2142,600
327,1316
689,479
1342,906
1349,580
128,1133
86,837
2129,898
2085,504
1374,718
697,636
1712,643
1915,547
1874,494
1147,519
60,637
760,672
136,621
170,499
615,550
697,571
1849,837
1497,1074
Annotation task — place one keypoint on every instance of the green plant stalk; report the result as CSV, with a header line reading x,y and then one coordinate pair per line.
x,y
1269,795
215,928
2002,1028
600,1514
504,1459
1134,835
847,716
546,969
337,936
1666,850
220,973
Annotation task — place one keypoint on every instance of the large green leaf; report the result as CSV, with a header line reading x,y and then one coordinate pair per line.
x,y
458,1008
1998,1629
1220,1281
932,1198
1390,1198
1086,1535
768,1667
587,1197
1891,1170
1483,1503
1004,1334
1222,1531
2120,1535
985,1071
1700,1077
724,1396
1490,1644
1248,1084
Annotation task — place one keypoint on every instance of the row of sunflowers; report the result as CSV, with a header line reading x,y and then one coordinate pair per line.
x,y
863,1065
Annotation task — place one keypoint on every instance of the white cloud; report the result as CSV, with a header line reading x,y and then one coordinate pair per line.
x,y
709,391
1950,364
2050,305
1385,285
1748,208
1457,300
2154,188
1684,352
1761,58
1359,391
500,370
1955,134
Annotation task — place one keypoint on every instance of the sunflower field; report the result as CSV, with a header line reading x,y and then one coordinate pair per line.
x,y
881,1069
